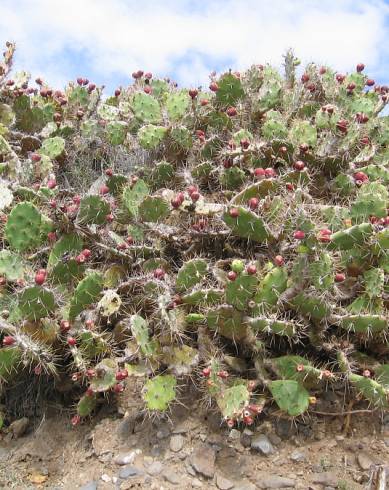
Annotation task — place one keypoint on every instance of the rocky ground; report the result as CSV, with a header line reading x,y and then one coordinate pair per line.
x,y
191,450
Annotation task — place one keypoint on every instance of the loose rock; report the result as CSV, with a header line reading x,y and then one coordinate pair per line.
x,y
275,481
176,443
223,483
327,478
128,471
126,458
155,468
171,476
203,461
364,461
92,485
262,444
298,456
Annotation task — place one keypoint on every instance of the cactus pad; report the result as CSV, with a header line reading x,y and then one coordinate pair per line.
x,y
87,292
191,273
290,396
160,392
36,302
23,226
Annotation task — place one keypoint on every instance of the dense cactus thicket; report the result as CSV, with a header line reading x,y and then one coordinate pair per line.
x,y
236,237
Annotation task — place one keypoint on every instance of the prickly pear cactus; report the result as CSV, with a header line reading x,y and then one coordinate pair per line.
x,y
246,248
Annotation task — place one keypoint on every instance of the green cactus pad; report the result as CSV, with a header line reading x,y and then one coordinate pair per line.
x,y
374,280
195,318
86,405
160,392
11,266
22,230
133,196
93,210
62,268
203,297
230,90
259,189
153,209
228,322
233,400
191,273
367,324
140,331
87,292
10,358
270,287
272,326
247,225
355,235
105,378
274,126
372,200
382,375
162,174
310,306
36,302
181,360
321,272
52,147
116,132
371,390
290,396
92,344
181,137
303,132
146,108
232,178
150,137
240,291
177,105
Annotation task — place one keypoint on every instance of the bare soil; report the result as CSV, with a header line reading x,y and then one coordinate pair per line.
x,y
317,452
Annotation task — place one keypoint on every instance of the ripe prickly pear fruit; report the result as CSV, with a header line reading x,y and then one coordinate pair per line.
x,y
253,203
232,275
299,165
40,277
71,341
339,277
251,269
299,235
159,273
213,86
279,260
360,67
8,340
121,375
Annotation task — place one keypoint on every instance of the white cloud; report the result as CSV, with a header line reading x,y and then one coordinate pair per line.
x,y
115,37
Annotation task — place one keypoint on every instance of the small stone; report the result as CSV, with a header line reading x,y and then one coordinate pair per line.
x,y
196,483
246,486
163,433
364,461
128,471
203,461
298,456
91,485
285,428
106,478
275,481
339,438
126,458
329,488
176,443
326,478
18,427
274,439
223,483
171,476
234,435
155,468
246,437
262,444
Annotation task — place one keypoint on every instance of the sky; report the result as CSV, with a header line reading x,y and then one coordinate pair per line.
x,y
106,40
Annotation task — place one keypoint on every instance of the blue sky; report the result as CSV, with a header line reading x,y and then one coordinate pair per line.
x,y
106,40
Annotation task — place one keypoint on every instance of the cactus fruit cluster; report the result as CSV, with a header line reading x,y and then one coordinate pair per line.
x,y
246,249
